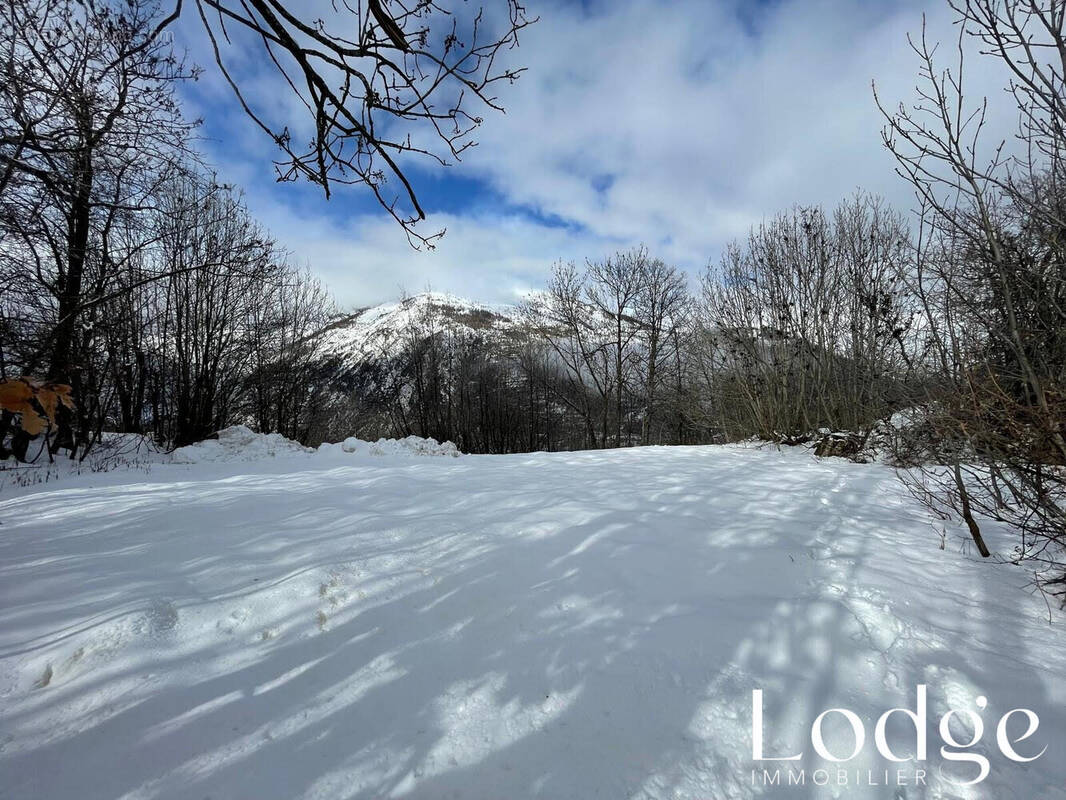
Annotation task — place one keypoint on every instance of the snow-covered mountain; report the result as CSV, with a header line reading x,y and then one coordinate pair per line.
x,y
377,333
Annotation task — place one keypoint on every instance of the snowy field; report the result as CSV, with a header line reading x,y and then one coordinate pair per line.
x,y
352,625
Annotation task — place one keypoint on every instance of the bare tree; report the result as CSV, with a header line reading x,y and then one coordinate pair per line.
x,y
380,80
660,310
289,383
88,131
806,324
613,288
992,274
563,318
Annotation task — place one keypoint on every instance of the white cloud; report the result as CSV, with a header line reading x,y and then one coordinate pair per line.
x,y
675,124
697,155
492,258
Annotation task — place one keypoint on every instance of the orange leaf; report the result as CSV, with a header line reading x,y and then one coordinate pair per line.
x,y
14,393
33,423
60,390
63,393
17,395
48,400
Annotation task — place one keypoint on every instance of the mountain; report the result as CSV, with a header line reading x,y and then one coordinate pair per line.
x,y
379,333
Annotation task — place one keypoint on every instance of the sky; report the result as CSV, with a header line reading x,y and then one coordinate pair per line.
x,y
678,125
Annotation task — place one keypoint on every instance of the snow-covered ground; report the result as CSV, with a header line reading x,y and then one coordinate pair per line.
x,y
355,625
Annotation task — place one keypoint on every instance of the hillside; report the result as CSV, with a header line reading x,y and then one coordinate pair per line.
x,y
378,333
348,625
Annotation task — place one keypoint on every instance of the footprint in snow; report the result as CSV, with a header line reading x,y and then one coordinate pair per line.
x,y
160,619
234,622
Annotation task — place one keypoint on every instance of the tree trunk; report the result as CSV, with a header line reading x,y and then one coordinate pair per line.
x,y
967,514
63,367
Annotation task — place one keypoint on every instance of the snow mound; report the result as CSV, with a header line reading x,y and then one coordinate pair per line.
x,y
413,445
238,443
408,446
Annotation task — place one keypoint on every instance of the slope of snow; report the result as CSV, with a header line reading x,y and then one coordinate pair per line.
x,y
550,625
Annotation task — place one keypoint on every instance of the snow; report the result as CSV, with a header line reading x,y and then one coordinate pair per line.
x,y
342,625
408,446
382,331
240,443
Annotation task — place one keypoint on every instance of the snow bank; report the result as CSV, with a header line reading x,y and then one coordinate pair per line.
x,y
240,443
409,446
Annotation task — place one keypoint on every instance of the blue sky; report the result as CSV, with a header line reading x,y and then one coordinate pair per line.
x,y
674,124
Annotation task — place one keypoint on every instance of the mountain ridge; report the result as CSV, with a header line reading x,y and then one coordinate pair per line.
x,y
380,331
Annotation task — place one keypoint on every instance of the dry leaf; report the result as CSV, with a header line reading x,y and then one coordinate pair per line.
x,y
33,423
14,392
63,393
28,397
48,400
